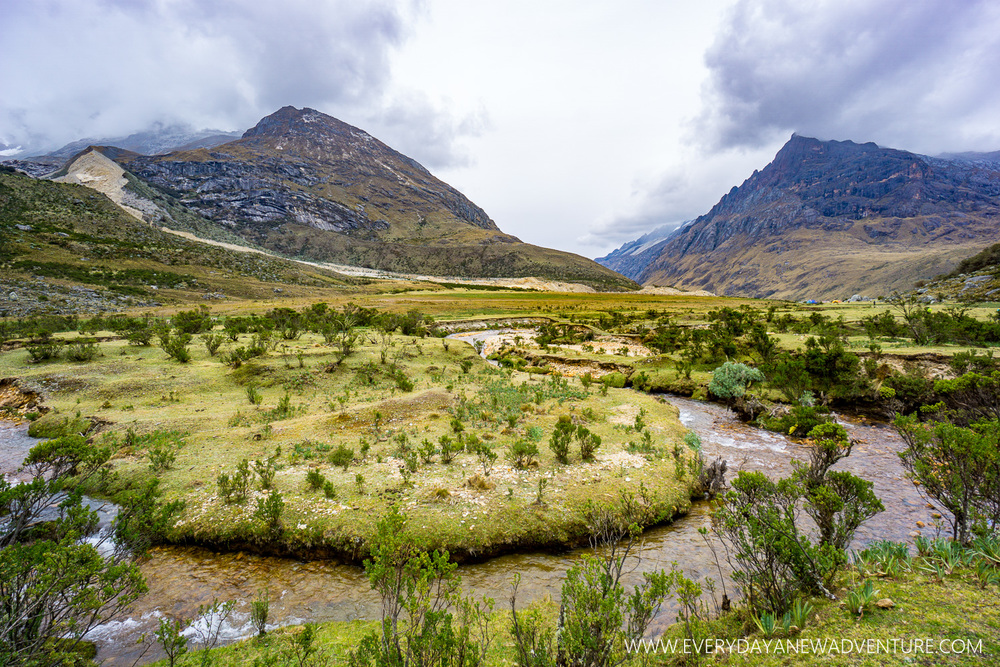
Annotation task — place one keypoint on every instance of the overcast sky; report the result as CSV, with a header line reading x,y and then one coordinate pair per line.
x,y
575,124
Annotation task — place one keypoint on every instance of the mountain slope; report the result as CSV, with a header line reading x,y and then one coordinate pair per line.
x,y
65,248
827,219
306,184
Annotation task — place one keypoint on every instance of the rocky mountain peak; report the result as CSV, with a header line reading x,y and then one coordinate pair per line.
x,y
289,122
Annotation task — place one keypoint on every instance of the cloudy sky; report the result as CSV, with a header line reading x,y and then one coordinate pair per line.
x,y
576,124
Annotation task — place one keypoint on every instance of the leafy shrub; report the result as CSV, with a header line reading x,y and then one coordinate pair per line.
x,y
449,448
162,449
267,468
589,442
614,380
213,341
427,450
731,380
522,453
798,421
176,347
235,489
342,456
44,350
775,559
82,351
192,321
958,467
315,479
561,437
487,457
403,383
270,510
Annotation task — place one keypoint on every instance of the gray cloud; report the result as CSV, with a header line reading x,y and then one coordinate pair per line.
x,y
923,76
420,127
112,67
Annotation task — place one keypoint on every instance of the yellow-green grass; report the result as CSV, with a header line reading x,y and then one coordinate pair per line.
x,y
141,389
930,622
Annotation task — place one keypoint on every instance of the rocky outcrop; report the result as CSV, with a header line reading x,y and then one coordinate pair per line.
x,y
16,402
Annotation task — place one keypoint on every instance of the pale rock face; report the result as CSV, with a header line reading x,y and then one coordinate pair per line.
x,y
99,173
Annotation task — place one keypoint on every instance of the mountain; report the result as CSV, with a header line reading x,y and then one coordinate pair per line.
x,y
156,140
305,184
633,257
828,219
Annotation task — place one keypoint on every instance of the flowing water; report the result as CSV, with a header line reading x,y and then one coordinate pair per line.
x,y
182,578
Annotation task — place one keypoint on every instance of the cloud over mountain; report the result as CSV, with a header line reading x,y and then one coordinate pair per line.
x,y
920,75
110,67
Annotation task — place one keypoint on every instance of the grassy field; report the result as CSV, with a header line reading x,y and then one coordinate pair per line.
x,y
388,405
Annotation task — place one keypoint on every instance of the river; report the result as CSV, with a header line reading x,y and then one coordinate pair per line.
x,y
182,578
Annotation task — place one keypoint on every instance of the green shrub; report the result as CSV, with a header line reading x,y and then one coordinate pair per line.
x,y
561,437
614,380
269,510
44,350
176,347
213,341
449,448
266,469
522,453
82,351
342,456
403,383
192,321
235,489
798,421
315,479
731,380
589,442
161,449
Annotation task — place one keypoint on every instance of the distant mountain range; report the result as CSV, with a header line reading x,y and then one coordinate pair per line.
x,y
304,184
828,219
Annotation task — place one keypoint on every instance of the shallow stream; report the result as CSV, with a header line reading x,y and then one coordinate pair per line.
x,y
182,578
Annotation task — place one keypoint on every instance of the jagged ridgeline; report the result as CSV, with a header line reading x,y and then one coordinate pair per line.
x,y
829,219
305,184
65,248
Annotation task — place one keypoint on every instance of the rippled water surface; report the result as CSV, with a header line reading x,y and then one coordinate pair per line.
x,y
180,578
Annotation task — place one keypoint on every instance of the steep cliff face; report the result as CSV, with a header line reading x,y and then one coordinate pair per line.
x,y
827,219
306,184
